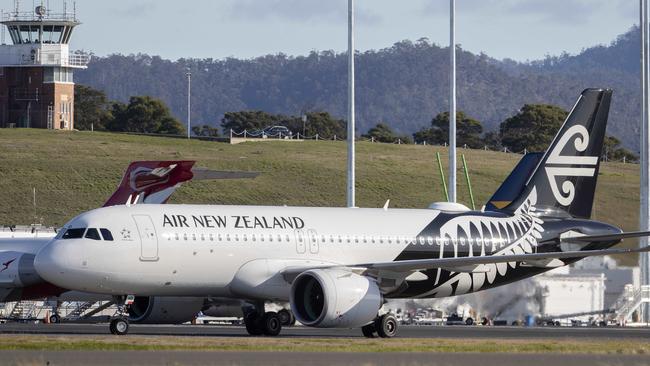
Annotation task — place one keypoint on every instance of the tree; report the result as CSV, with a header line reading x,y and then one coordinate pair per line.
x,y
91,108
492,140
144,114
248,120
532,128
613,151
321,123
383,133
468,131
206,131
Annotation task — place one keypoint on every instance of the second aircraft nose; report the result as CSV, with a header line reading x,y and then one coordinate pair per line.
x,y
53,263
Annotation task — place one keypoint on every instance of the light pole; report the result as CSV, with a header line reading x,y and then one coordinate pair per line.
x,y
304,123
644,214
351,198
452,101
189,103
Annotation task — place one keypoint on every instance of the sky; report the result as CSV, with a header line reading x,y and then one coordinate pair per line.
x,y
517,29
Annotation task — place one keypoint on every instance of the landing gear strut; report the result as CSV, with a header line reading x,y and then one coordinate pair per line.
x,y
119,324
259,322
385,326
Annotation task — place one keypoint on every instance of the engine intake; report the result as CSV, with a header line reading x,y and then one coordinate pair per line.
x,y
334,298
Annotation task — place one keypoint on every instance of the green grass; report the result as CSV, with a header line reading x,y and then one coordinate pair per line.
x,y
170,343
76,171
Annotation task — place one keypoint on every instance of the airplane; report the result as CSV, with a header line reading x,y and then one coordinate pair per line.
x,y
337,266
142,182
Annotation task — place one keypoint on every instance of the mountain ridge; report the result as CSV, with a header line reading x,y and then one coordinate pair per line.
x,y
404,85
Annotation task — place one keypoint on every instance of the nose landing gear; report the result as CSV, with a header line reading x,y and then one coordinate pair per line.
x,y
119,324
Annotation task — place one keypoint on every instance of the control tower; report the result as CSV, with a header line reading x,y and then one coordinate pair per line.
x,y
36,70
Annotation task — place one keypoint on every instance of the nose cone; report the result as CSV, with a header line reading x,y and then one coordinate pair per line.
x,y
53,261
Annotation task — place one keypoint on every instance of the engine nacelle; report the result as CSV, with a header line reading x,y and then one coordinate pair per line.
x,y
17,269
164,310
334,298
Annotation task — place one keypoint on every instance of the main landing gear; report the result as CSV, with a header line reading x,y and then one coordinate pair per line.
x,y
259,322
119,324
385,326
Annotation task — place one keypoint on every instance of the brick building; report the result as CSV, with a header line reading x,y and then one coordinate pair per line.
x,y
36,70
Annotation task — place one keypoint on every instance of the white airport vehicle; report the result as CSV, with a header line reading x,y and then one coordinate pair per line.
x,y
336,266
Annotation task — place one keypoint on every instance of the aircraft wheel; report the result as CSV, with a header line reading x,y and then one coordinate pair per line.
x,y
271,324
386,326
469,321
369,331
55,318
119,326
252,322
286,317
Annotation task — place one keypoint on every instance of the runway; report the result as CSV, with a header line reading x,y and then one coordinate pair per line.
x,y
256,350
463,332
296,358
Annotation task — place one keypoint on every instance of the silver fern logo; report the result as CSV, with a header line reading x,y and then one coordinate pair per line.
x,y
558,165
519,232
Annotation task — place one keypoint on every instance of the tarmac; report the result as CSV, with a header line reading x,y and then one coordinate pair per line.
x,y
51,358
462,332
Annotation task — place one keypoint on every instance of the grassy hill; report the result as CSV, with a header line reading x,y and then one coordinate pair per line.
x,y
76,171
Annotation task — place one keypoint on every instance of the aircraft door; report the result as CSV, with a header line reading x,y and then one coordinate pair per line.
x,y
301,245
148,238
313,241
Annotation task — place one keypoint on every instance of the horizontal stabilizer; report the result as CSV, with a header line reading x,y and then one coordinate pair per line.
x,y
207,174
608,237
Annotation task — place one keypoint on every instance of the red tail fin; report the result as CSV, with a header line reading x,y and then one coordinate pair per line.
x,y
151,181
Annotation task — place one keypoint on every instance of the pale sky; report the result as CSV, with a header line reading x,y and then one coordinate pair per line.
x,y
517,29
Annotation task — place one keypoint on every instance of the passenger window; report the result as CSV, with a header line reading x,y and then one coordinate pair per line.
x,y
106,234
93,234
74,233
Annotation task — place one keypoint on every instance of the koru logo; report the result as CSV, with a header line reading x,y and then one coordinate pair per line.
x,y
569,166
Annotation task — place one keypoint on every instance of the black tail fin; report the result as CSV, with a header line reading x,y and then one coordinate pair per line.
x,y
564,181
515,183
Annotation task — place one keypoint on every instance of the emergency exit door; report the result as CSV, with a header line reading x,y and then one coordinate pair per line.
x,y
148,238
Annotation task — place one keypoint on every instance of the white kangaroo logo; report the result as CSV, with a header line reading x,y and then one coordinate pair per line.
x,y
567,164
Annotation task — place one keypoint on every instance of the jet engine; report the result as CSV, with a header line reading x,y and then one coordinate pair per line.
x,y
164,310
334,298
17,269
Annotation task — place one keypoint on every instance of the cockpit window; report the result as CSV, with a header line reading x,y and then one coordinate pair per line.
x,y
74,233
93,234
106,234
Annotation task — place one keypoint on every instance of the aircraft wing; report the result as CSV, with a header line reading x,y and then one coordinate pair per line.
x,y
463,262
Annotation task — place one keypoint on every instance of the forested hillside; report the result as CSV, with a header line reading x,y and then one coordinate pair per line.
x,y
403,86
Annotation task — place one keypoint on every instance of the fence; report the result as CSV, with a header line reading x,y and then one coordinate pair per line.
x,y
251,135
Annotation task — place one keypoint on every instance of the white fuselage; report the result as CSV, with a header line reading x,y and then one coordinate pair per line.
x,y
236,251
